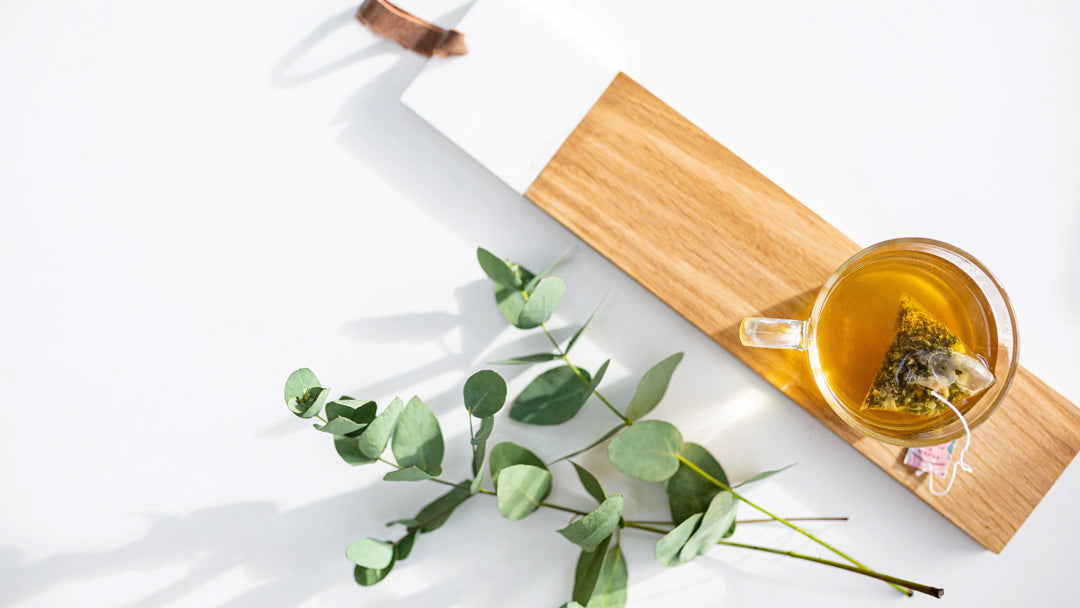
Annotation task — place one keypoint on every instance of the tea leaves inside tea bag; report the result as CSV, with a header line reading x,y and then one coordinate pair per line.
x,y
925,361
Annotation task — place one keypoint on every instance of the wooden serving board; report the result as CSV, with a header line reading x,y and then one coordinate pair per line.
x,y
717,241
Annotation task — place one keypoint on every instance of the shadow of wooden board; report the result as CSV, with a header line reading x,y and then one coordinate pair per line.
x,y
717,241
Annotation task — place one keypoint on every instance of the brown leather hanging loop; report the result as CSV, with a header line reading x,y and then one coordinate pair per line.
x,y
410,31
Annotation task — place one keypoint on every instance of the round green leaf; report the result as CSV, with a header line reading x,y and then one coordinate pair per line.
x,y
300,382
373,440
485,393
668,548
716,522
303,394
589,531
554,397
648,450
497,269
521,489
651,388
418,440
507,454
349,451
370,553
688,492
542,302
367,577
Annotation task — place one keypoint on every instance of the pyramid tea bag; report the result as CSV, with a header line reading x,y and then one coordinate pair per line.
x,y
925,365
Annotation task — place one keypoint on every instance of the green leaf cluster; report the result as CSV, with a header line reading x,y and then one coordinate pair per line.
x,y
702,502
699,533
303,394
643,449
688,492
375,558
525,299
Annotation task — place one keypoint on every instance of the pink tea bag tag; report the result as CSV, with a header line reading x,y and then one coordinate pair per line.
x,y
934,459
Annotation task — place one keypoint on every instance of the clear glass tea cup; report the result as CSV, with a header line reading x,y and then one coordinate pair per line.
x,y
804,335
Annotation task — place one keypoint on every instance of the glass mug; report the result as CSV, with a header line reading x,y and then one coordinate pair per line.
x,y
853,321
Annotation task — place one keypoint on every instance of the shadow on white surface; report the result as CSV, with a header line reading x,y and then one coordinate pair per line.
x,y
286,550
288,557
284,73
465,338
432,173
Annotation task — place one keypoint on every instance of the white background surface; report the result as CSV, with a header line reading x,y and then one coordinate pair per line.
x,y
199,197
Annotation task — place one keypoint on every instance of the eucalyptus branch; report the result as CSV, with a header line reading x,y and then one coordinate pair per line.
x,y
892,580
644,525
777,518
628,522
703,505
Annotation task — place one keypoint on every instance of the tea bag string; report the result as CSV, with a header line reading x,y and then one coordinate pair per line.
x,y
967,444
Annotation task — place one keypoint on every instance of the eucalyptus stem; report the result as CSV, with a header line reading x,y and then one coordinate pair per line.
x,y
592,445
750,521
472,435
905,585
561,508
787,523
628,522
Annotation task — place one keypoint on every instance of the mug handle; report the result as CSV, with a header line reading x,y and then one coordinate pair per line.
x,y
763,332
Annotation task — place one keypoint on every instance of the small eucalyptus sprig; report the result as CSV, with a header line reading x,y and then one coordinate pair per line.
x,y
702,502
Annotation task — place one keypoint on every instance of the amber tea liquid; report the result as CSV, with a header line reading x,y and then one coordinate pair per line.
x,y
858,322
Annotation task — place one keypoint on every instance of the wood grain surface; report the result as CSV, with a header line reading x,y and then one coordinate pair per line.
x,y
718,242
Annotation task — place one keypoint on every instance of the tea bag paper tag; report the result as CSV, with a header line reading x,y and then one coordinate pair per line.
x,y
933,459
960,464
